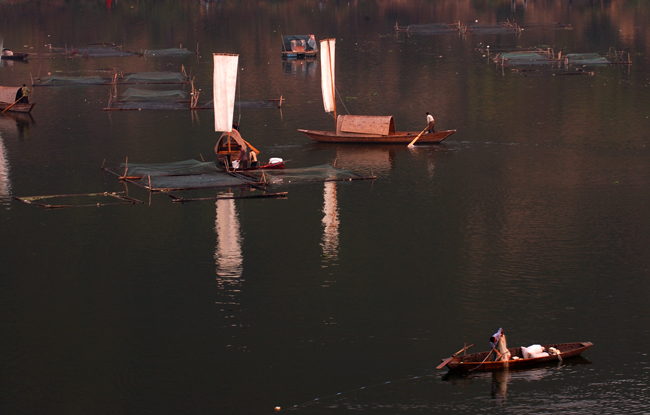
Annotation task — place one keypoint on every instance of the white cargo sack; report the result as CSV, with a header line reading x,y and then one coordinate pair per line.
x,y
532,350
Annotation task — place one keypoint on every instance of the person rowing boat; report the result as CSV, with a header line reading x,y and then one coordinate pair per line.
x,y
499,345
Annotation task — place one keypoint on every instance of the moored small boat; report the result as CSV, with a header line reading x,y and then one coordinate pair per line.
x,y
299,46
481,361
7,54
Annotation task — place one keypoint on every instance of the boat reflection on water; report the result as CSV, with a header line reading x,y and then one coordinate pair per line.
x,y
5,183
15,122
500,379
330,243
228,258
367,160
299,66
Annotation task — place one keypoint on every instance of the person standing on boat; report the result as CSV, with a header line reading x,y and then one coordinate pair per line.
x,y
499,346
432,124
243,158
25,91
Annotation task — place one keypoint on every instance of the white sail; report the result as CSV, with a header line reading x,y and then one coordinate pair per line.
x,y
224,87
327,48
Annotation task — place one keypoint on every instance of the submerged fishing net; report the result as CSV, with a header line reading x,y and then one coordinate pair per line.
x,y
193,174
79,200
178,168
195,181
100,52
62,80
179,175
526,58
136,94
502,28
427,29
250,104
154,77
586,59
322,173
168,52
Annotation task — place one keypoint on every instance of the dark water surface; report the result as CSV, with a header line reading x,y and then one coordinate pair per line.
x,y
343,297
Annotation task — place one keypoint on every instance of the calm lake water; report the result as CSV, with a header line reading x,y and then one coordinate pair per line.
x,y
344,296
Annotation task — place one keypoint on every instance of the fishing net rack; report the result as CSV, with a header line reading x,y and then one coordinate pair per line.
x,y
120,199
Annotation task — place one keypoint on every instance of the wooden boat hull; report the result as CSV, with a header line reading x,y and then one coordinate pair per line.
x,y
24,108
299,55
15,57
400,137
472,362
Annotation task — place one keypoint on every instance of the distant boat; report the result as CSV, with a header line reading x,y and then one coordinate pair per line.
x,y
299,46
9,95
8,54
360,128
482,362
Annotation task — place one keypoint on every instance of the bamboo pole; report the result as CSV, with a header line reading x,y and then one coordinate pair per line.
x,y
329,52
126,167
16,102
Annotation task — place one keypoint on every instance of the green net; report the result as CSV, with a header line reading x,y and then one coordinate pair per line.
x,y
179,168
193,174
136,94
168,52
154,77
195,181
586,59
526,58
100,52
62,80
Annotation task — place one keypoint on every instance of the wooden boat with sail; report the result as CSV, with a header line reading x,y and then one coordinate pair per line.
x,y
9,97
372,129
518,359
233,152
360,128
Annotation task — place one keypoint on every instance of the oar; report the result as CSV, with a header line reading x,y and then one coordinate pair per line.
x,y
251,147
449,359
416,138
12,104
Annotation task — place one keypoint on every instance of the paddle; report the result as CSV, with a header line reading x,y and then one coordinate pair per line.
x,y
416,138
12,104
251,147
449,359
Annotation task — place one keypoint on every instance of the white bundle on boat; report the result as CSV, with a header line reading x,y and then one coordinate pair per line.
x,y
533,351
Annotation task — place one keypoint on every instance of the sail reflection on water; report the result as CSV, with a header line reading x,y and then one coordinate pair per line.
x,y
330,243
5,183
228,256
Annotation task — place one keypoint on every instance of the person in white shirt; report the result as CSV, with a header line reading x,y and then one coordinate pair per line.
x,y
431,122
499,346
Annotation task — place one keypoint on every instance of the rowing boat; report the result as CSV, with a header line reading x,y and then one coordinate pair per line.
x,y
7,54
481,361
364,129
8,97
372,129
